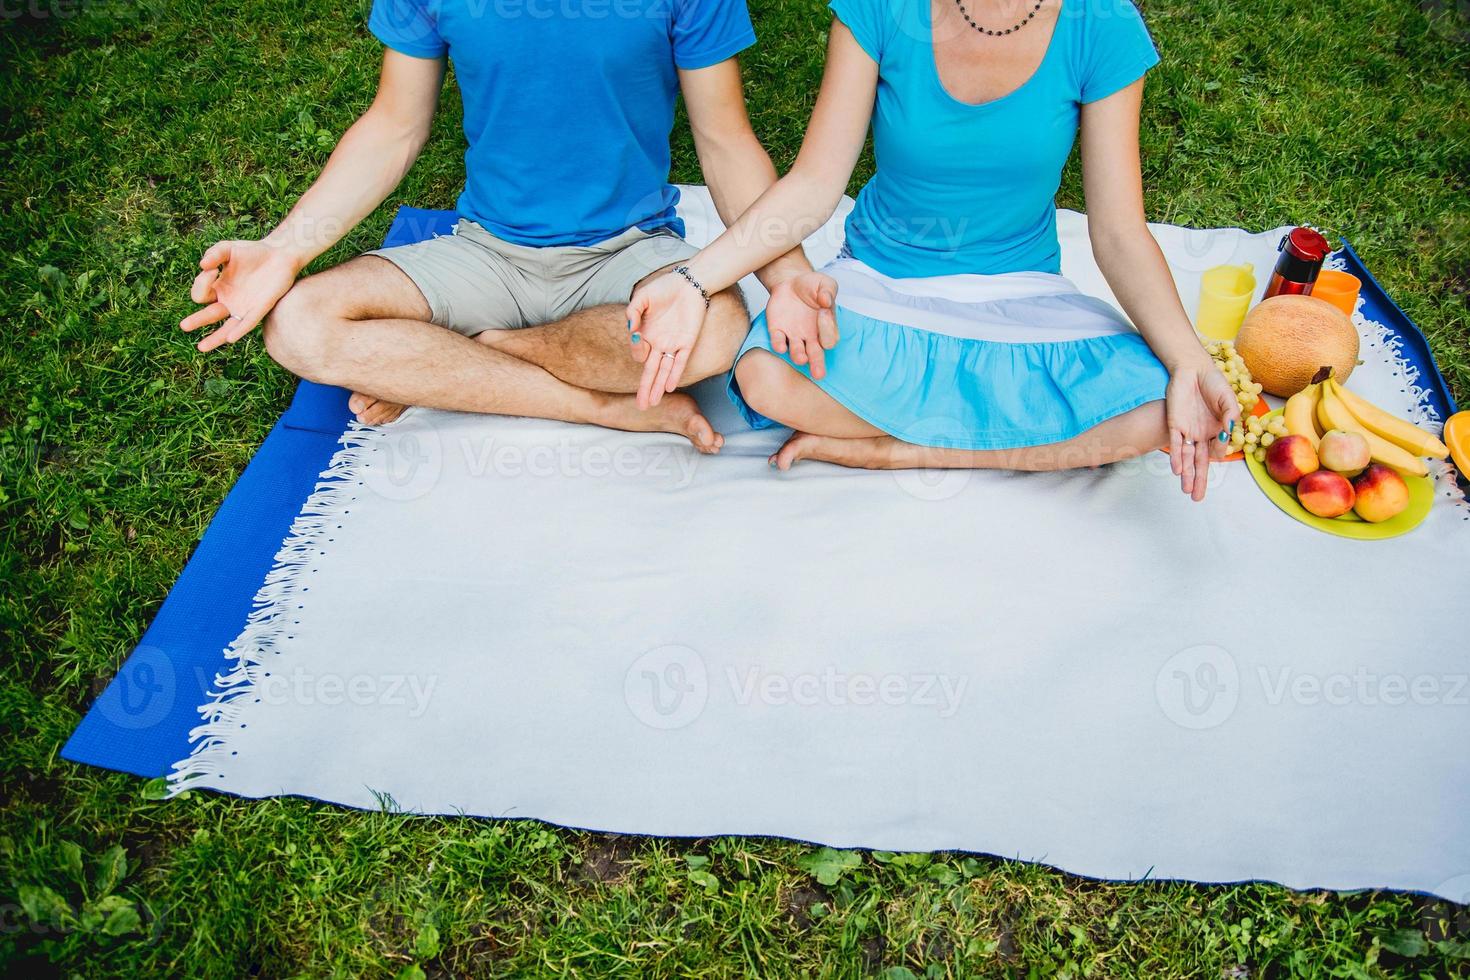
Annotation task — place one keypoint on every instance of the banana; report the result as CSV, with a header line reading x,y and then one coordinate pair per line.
x,y
1335,415
1406,434
1301,413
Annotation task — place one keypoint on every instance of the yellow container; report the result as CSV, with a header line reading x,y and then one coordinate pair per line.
x,y
1224,295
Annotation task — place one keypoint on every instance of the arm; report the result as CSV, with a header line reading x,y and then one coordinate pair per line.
x,y
736,167
668,312
799,203
242,280
1200,402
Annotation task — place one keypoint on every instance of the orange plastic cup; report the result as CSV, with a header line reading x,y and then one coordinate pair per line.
x,y
1338,288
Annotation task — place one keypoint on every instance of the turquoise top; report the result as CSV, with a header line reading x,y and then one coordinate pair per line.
x,y
972,188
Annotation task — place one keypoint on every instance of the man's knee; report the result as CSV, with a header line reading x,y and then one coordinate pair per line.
x,y
767,383
725,326
301,331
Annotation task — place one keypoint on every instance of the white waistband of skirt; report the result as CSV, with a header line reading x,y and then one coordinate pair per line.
x,y
1013,308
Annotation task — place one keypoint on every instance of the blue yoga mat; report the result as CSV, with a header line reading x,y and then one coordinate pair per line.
x,y
141,722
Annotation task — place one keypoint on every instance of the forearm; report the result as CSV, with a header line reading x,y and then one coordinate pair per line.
x,y
780,219
738,172
1134,267
368,163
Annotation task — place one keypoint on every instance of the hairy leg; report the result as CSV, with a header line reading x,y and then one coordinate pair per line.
x,y
363,325
829,432
589,348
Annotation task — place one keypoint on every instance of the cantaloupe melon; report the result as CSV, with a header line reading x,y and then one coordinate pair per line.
x,y
1286,339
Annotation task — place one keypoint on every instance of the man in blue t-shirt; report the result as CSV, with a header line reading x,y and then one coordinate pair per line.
x,y
567,206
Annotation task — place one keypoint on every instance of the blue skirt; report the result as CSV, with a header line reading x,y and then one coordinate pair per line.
x,y
975,362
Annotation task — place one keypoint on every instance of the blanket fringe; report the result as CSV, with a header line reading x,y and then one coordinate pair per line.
x,y
271,619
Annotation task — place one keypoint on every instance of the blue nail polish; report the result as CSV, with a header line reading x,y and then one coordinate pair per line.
x,y
1224,435
630,324
636,338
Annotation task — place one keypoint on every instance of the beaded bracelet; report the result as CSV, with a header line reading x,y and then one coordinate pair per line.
x,y
683,270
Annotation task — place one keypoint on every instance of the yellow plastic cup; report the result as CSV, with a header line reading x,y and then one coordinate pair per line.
x,y
1224,295
1338,288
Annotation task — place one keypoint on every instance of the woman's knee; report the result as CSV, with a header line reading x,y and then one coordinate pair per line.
x,y
767,383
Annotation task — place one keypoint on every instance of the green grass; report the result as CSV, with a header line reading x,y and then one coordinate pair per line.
x,y
132,136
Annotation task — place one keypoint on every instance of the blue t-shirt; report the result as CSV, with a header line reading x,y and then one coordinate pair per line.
x,y
568,104
963,188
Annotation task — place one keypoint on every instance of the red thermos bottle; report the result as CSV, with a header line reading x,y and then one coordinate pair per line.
x,y
1302,252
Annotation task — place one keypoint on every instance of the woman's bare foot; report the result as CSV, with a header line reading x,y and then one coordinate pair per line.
x,y
374,411
677,413
876,453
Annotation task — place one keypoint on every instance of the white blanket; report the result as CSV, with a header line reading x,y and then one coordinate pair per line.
x,y
517,618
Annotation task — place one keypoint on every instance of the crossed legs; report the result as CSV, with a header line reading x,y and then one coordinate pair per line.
x,y
827,431
365,326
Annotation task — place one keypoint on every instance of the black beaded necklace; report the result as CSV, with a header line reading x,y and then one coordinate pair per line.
x,y
985,30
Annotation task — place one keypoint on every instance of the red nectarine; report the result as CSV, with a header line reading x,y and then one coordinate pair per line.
x,y
1381,493
1290,458
1325,493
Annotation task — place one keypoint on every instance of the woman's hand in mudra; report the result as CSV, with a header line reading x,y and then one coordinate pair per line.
x,y
665,316
1198,406
802,321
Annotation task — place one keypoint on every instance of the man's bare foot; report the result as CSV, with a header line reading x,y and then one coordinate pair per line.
x,y
374,411
677,413
872,454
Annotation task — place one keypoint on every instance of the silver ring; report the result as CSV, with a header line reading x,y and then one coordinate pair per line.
x,y
666,354
1189,442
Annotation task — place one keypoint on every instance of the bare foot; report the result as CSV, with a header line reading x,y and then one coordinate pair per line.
x,y
677,413
374,411
874,453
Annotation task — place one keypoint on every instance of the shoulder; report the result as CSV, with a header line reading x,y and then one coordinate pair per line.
x,y
706,32
1110,45
876,23
1104,21
410,27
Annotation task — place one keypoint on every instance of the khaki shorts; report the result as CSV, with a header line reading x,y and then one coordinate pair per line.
x,y
474,281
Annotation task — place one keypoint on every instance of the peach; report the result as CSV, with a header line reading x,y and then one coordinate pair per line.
x,y
1344,452
1325,493
1381,493
1290,458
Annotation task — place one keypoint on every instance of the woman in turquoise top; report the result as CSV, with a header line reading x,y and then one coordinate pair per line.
x,y
961,345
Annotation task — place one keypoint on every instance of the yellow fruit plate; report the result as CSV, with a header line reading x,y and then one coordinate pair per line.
x,y
1349,525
